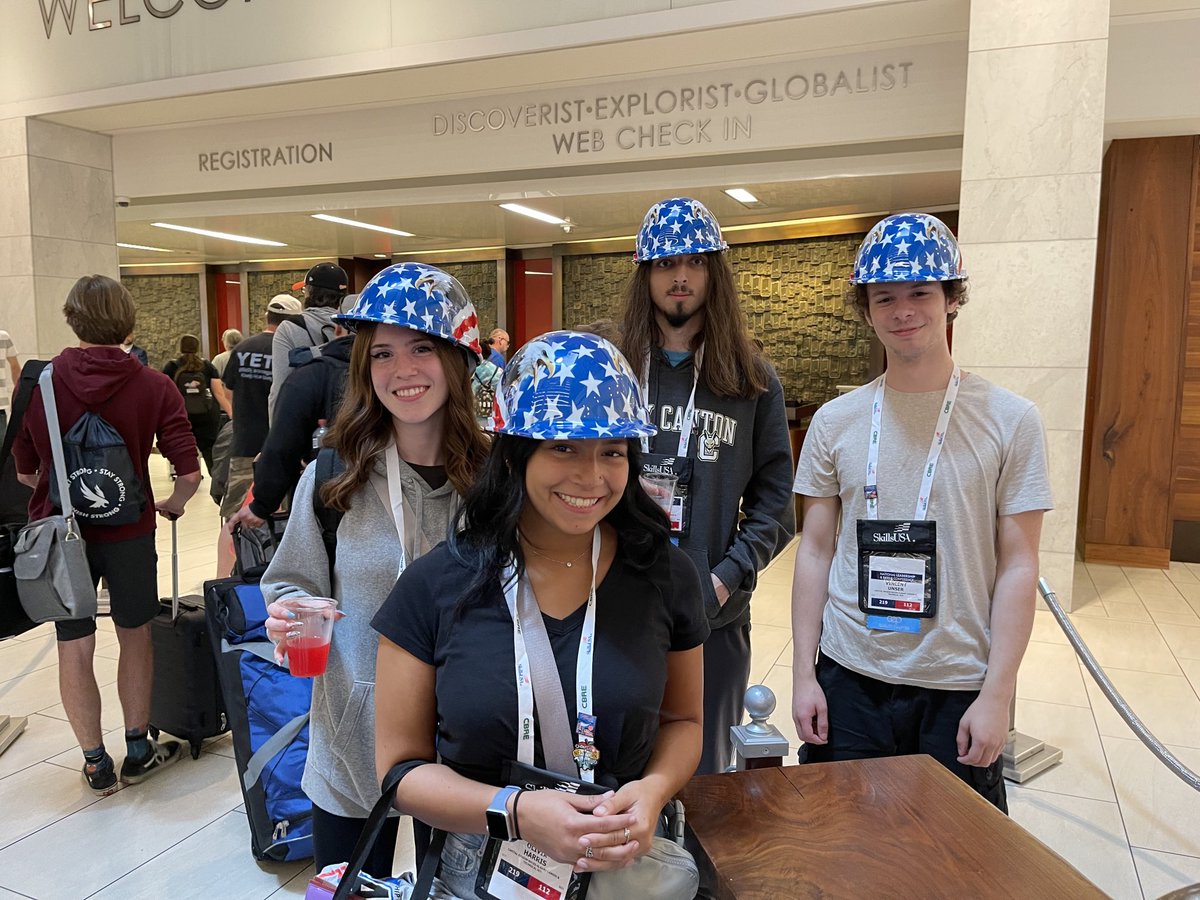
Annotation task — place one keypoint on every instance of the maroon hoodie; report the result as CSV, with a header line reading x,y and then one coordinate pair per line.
x,y
139,402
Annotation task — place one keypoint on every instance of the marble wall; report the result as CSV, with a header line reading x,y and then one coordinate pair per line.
x,y
480,279
1032,148
56,224
262,286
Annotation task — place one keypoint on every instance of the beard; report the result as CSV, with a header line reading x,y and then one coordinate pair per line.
x,y
679,316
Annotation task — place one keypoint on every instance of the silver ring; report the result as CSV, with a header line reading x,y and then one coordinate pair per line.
x,y
626,841
588,852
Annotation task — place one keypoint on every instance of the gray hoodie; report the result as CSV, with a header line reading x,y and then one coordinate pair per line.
x,y
340,774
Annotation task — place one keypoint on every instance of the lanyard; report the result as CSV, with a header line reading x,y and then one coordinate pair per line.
x,y
400,512
689,412
935,448
522,606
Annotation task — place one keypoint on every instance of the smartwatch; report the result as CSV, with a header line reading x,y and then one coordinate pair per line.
x,y
499,821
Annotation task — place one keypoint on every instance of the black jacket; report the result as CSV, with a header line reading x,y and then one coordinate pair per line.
x,y
311,393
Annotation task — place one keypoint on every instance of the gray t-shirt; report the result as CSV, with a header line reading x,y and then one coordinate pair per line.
x,y
993,463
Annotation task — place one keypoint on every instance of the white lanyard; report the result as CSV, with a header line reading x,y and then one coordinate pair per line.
x,y
400,512
935,448
583,662
689,412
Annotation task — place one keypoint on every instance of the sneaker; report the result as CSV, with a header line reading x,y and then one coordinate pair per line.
x,y
161,756
101,777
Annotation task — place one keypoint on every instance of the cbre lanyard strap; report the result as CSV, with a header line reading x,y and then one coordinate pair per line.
x,y
689,412
935,448
523,608
401,514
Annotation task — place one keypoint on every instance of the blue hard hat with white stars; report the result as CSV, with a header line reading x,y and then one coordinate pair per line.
x,y
908,247
570,385
421,297
676,227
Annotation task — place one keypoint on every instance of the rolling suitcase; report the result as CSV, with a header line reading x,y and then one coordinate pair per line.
x,y
187,694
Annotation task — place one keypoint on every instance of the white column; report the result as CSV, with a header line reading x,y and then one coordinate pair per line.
x,y
56,223
1032,152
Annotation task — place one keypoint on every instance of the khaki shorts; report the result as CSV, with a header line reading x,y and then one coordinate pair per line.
x,y
237,486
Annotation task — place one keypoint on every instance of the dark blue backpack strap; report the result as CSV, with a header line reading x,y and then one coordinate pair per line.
x,y
329,465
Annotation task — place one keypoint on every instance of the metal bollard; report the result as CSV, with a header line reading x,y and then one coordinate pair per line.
x,y
758,745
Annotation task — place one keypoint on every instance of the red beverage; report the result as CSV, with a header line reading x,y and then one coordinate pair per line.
x,y
307,656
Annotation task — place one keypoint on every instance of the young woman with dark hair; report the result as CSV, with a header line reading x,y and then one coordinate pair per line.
x,y
557,532
200,383
407,439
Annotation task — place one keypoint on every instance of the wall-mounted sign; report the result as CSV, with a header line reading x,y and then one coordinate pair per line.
x,y
884,95
103,14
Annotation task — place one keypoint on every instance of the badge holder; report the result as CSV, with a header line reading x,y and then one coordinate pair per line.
x,y
897,573
516,870
681,506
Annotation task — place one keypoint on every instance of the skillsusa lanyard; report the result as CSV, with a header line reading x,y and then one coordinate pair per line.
x,y
689,412
935,448
400,511
523,608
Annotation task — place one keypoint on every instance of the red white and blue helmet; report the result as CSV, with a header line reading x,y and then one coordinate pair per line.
x,y
677,227
420,297
908,247
570,385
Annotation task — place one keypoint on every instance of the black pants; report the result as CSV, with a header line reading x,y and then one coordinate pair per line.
x,y
334,838
204,429
726,677
870,719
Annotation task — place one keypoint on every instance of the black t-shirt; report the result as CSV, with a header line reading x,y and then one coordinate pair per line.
x,y
640,617
248,375
172,370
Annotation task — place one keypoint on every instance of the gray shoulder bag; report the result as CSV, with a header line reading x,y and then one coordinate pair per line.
x,y
54,580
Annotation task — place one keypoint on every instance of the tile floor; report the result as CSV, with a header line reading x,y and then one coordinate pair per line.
x,y
1111,809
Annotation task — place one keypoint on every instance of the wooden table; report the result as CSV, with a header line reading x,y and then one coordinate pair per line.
x,y
899,827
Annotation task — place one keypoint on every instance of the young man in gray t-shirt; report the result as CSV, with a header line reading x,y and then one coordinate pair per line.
x,y
924,493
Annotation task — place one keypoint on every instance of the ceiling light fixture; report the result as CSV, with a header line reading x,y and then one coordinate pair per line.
x,y
382,255
741,195
144,247
220,235
533,213
340,221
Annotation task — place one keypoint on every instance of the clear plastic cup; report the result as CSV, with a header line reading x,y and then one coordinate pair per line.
x,y
307,643
661,489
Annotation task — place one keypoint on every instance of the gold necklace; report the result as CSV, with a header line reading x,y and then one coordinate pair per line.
x,y
559,561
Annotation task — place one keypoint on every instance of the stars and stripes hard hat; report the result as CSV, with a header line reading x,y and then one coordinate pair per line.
x,y
421,297
676,227
908,247
570,385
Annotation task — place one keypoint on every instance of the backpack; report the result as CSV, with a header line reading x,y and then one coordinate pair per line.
x,y
328,465
485,397
104,483
197,398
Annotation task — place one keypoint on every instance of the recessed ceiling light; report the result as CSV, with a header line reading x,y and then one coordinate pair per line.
x,y
539,273
144,247
382,255
741,195
220,235
367,225
533,213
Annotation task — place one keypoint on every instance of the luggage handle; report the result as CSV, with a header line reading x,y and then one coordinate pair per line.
x,y
174,567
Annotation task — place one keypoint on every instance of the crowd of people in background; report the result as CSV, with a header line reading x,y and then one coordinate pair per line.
x,y
488,509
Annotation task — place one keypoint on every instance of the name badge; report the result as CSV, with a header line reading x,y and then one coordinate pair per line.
x,y
523,872
897,571
681,505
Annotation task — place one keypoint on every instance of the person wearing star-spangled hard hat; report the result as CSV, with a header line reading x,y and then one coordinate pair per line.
x,y
924,493
722,430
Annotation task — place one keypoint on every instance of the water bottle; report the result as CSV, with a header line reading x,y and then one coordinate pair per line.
x,y
319,435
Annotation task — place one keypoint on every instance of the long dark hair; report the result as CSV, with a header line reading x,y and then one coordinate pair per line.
x,y
190,359
732,366
485,536
363,427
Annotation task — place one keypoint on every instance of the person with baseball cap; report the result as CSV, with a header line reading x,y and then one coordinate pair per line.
x,y
722,431
324,287
924,493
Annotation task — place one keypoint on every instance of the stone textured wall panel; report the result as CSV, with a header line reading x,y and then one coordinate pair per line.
x,y
793,293
480,281
262,286
168,306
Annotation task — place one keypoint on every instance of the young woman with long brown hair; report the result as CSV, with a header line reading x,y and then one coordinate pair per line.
x,y
408,448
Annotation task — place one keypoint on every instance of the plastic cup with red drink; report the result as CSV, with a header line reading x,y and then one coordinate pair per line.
x,y
307,642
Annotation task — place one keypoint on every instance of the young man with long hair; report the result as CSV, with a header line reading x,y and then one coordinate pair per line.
x,y
722,430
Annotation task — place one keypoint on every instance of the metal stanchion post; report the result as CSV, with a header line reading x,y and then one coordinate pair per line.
x,y
10,728
758,745
1026,756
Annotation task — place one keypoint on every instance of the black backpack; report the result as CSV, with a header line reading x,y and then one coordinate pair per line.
x,y
197,399
329,465
105,487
